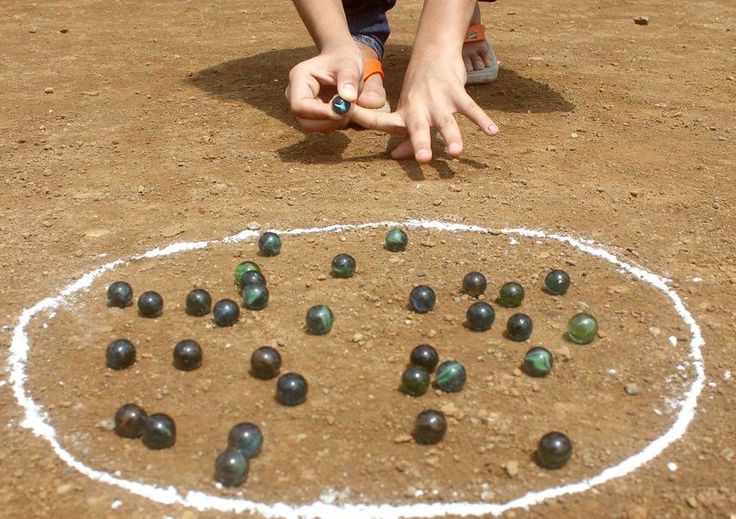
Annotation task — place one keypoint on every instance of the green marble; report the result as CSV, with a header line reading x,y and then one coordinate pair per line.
x,y
582,328
231,468
255,297
557,282
343,266
415,381
243,267
269,244
396,240
319,320
538,362
450,376
511,294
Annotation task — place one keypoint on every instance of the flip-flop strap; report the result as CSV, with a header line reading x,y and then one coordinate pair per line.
x,y
475,33
372,66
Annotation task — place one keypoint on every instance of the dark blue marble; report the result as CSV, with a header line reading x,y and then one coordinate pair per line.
x,y
247,438
557,282
187,355
340,106
474,284
150,304
424,355
430,427
291,389
120,354
159,431
129,420
554,450
519,327
226,312
199,302
231,468
119,294
265,362
480,316
422,299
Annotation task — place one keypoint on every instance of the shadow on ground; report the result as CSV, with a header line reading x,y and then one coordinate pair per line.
x,y
260,81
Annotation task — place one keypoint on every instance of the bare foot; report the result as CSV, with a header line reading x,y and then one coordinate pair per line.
x,y
373,95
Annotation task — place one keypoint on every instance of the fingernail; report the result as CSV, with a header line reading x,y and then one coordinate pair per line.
x,y
349,93
492,128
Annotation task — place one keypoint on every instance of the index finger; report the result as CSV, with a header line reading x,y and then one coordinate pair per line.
x,y
373,119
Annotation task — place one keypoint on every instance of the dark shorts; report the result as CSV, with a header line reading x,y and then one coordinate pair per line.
x,y
368,23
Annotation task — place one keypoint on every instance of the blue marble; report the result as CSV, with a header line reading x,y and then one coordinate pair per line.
x,y
119,294
187,355
340,106
231,468
129,420
247,438
554,450
291,389
120,354
480,316
519,327
198,302
422,299
159,431
150,304
226,312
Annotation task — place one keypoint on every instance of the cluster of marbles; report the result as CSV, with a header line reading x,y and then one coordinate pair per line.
x,y
244,442
450,376
158,430
291,388
245,439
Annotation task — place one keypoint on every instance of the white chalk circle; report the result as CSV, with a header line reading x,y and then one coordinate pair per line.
x,y
37,420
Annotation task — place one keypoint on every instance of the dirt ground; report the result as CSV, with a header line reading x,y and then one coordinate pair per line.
x,y
129,125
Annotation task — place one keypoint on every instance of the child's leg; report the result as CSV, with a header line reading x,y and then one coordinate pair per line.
x,y
369,27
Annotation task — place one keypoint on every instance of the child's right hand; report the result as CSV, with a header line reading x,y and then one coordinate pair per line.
x,y
314,82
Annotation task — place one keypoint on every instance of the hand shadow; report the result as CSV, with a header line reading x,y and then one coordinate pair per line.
x,y
260,81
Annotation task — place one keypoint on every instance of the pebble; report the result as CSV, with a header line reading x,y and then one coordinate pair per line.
x,y
403,438
512,468
641,20
64,489
48,90
90,93
632,389
692,501
108,424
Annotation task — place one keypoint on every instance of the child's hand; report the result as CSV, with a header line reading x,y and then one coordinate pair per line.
x,y
434,90
314,82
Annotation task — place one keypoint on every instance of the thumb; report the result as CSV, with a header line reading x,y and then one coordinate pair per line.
x,y
348,79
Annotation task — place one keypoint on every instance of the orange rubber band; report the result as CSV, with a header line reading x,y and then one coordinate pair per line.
x,y
475,33
371,67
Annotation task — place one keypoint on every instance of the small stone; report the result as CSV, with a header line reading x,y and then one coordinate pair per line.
x,y
437,202
641,20
512,468
402,438
632,389
64,489
692,501
48,90
106,425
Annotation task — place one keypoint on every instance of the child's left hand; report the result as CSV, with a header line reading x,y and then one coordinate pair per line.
x,y
434,90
